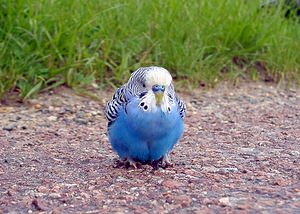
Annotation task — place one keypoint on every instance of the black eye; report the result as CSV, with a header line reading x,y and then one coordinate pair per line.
x,y
145,107
142,104
144,85
169,109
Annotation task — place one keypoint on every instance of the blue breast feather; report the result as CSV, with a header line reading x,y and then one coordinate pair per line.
x,y
145,136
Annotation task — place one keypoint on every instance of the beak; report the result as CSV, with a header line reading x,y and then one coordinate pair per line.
x,y
158,97
158,90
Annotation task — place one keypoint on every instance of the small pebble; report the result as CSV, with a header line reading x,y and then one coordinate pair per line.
x,y
81,121
52,118
45,111
10,127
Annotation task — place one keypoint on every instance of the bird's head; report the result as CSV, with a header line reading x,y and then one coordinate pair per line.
x,y
157,80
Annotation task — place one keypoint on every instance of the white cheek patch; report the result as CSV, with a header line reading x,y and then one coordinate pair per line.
x,y
166,106
148,103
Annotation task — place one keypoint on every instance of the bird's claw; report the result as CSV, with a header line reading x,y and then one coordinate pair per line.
x,y
131,163
163,162
166,161
126,162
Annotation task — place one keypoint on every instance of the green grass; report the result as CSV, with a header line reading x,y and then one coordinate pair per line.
x,y
47,43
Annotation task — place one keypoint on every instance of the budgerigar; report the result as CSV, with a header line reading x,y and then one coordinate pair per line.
x,y
145,117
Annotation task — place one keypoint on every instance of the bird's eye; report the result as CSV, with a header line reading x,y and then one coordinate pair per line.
x,y
142,104
169,109
145,108
144,85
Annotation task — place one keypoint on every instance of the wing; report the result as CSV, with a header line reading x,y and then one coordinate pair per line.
x,y
181,107
117,102
133,88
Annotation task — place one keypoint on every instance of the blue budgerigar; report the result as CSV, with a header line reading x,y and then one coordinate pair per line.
x,y
145,117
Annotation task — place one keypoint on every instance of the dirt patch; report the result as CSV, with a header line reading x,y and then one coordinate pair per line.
x,y
240,152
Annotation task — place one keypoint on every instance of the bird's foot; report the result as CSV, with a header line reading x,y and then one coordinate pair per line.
x,y
131,163
156,164
119,163
163,162
126,162
166,162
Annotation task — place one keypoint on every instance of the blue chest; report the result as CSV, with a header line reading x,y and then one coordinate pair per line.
x,y
150,124
145,135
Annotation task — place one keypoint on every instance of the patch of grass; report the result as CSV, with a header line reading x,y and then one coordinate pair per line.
x,y
44,44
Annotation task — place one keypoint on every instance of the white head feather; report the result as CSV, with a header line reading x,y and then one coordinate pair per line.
x,y
158,76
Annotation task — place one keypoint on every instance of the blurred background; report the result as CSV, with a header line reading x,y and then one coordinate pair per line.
x,y
78,43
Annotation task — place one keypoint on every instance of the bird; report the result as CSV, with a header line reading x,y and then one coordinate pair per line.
x,y
145,118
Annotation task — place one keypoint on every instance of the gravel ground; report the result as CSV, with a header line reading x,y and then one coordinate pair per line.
x,y
240,154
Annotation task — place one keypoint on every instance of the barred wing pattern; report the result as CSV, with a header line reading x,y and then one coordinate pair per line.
x,y
112,108
181,107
